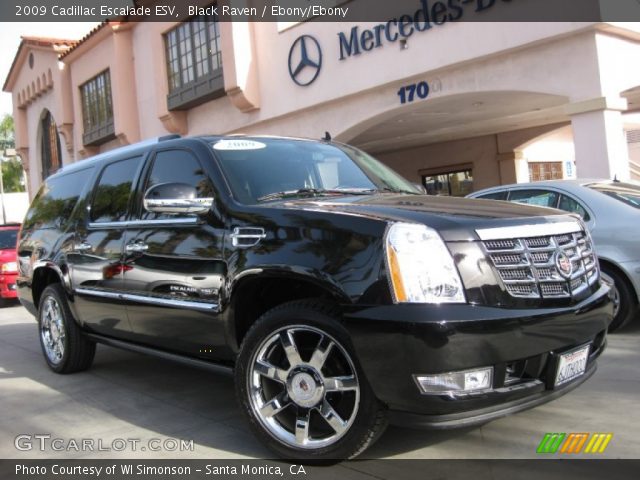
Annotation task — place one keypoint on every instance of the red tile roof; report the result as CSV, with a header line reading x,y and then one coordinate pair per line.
x,y
60,44
47,41
77,43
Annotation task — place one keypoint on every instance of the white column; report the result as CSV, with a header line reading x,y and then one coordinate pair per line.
x,y
599,139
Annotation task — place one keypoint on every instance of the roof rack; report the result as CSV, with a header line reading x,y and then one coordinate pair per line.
x,y
120,150
164,138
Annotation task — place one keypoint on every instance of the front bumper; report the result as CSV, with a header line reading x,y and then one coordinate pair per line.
x,y
393,343
8,286
536,395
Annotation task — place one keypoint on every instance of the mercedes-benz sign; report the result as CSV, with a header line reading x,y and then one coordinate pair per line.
x,y
305,60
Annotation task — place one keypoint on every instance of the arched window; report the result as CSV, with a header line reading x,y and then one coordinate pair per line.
x,y
50,147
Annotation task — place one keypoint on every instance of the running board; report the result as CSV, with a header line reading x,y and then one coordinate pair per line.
x,y
174,357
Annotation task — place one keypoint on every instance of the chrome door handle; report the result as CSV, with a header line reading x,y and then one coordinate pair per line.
x,y
82,247
136,247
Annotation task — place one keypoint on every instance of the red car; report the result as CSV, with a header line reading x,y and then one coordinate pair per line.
x,y
8,262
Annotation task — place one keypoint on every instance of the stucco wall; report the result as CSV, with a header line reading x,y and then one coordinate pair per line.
x,y
634,160
15,206
29,114
478,152
83,68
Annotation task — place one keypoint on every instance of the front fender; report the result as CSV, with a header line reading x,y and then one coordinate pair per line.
x,y
291,272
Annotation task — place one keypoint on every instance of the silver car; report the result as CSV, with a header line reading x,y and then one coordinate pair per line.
x,y
611,210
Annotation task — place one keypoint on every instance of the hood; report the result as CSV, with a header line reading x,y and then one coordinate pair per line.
x,y
456,219
8,255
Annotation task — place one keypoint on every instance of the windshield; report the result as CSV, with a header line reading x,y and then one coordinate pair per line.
x,y
265,169
8,238
627,193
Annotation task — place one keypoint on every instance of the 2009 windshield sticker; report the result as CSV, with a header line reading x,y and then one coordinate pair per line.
x,y
238,145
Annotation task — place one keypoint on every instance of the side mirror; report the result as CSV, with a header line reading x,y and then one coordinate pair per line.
x,y
175,198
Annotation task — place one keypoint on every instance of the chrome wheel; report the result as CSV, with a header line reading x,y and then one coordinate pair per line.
x,y
303,387
52,330
616,300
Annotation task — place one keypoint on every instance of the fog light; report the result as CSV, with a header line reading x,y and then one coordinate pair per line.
x,y
456,382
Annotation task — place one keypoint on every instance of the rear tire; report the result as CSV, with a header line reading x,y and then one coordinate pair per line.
x,y
301,388
624,300
66,349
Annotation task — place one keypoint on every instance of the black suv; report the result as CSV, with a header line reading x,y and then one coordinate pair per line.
x,y
336,292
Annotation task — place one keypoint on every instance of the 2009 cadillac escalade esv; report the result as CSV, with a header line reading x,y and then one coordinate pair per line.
x,y
336,292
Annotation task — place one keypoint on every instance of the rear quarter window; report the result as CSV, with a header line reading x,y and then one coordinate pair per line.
x,y
626,193
56,200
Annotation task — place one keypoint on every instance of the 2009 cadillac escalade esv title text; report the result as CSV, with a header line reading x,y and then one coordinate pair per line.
x,y
337,294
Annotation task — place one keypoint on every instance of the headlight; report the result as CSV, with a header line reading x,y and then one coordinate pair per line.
x,y
421,269
9,267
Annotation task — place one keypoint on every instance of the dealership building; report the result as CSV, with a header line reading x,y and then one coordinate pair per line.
x,y
458,106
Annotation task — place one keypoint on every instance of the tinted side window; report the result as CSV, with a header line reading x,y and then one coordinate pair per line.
x,y
111,196
494,195
177,166
56,200
539,198
568,204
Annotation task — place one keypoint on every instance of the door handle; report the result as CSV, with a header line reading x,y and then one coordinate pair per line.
x,y
136,247
82,247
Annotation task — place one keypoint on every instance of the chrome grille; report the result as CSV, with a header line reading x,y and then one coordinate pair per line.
x,y
500,244
541,257
528,267
556,289
537,242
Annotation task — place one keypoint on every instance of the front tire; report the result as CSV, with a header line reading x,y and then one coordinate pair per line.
x,y
66,349
624,302
301,388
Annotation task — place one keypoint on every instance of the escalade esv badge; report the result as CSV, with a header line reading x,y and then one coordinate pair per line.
x,y
337,293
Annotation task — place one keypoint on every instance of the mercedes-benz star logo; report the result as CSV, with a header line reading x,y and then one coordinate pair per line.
x,y
305,60
564,265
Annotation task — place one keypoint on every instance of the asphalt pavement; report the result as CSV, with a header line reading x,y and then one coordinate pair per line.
x,y
133,406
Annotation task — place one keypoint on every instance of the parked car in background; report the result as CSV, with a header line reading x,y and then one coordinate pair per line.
x,y
611,211
8,265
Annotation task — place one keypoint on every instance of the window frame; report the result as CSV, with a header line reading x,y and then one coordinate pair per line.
x,y
454,169
550,164
196,89
95,106
50,146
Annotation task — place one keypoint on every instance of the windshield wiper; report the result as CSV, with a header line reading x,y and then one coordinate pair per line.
x,y
315,191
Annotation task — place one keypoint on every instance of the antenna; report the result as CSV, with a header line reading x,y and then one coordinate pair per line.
x,y
327,137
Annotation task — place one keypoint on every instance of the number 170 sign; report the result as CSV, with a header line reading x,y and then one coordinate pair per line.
x,y
409,93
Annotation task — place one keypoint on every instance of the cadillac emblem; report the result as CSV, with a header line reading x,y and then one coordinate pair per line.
x,y
563,264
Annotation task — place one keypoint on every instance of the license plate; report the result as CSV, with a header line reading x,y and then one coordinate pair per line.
x,y
571,365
